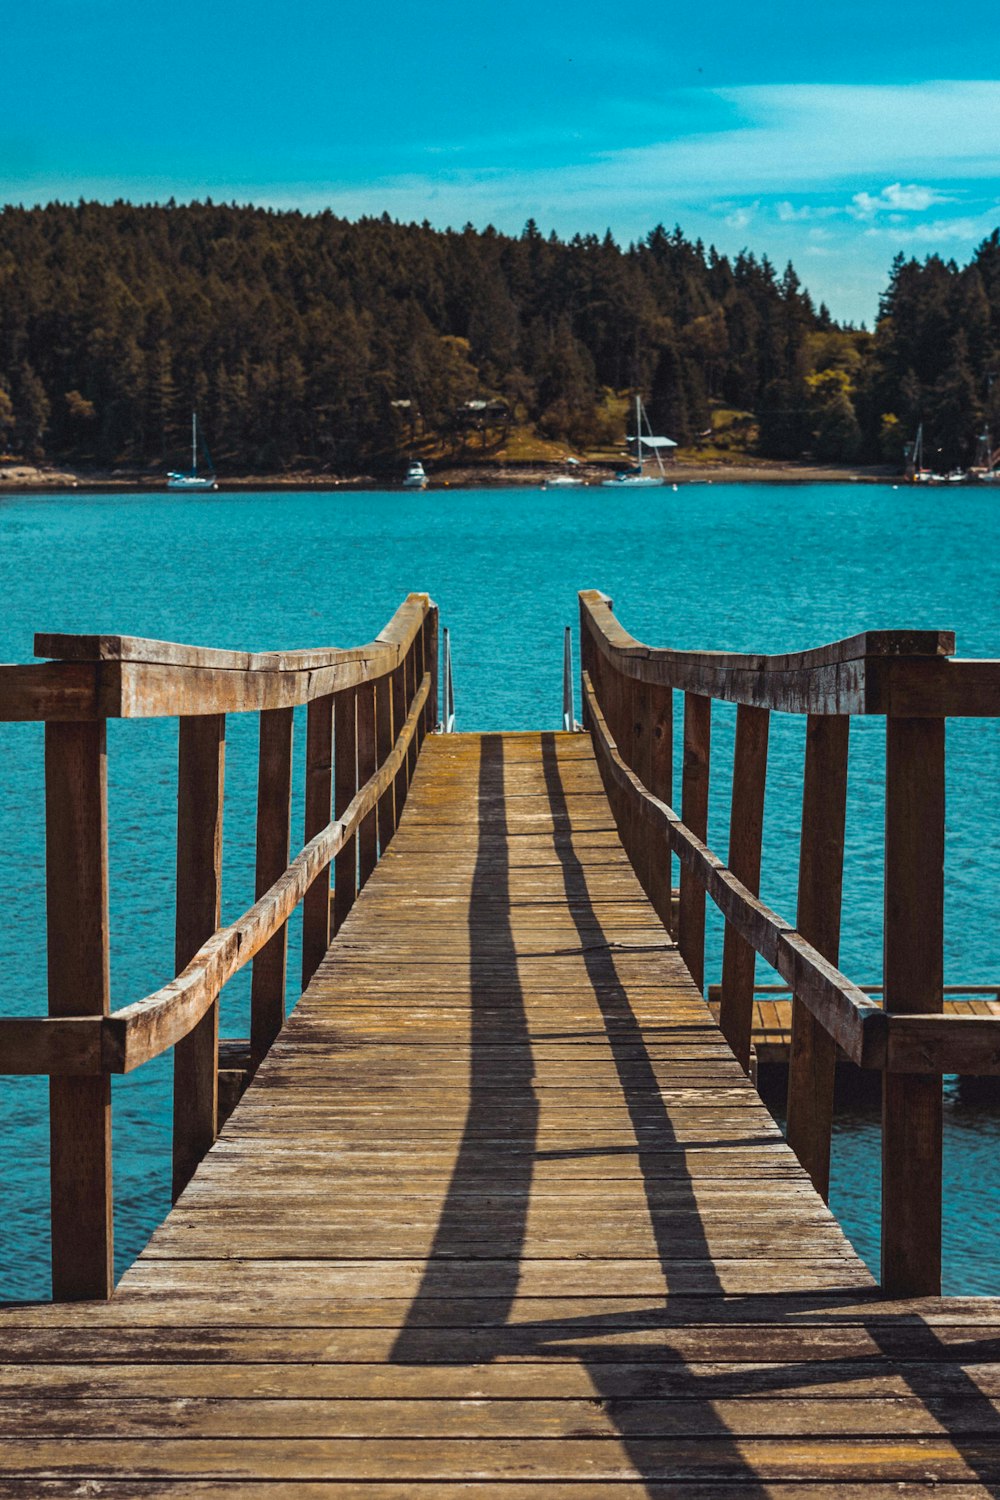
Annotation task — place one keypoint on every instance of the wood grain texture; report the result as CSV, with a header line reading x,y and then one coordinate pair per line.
x,y
913,975
345,733
694,811
813,1055
319,791
501,1217
274,810
200,780
76,895
746,828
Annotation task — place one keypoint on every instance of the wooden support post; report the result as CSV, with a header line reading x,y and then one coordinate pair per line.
x,y
367,832
432,713
410,680
813,1058
913,971
345,880
200,773
694,814
659,769
419,667
319,777
384,740
399,712
746,827
274,805
76,871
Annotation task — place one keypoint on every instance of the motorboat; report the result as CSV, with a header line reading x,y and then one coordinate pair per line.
x,y
415,477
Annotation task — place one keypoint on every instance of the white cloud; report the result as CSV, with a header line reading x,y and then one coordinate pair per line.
x,y
741,217
896,200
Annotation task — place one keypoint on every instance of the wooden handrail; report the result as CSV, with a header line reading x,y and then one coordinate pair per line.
x,y
127,677
392,680
899,673
909,678
72,1047
858,1025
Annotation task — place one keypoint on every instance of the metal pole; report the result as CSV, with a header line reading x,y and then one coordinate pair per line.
x,y
568,721
448,721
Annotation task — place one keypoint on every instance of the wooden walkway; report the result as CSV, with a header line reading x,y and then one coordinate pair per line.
x,y
500,1216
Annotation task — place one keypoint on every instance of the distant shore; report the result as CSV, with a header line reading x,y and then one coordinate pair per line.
x,y
21,478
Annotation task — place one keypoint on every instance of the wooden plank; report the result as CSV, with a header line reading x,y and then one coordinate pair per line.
x,y
913,972
345,880
366,752
746,827
76,889
200,778
813,1055
694,811
274,810
499,1212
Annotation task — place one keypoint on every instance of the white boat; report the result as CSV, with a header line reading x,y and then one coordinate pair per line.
x,y
566,479
636,477
415,477
192,480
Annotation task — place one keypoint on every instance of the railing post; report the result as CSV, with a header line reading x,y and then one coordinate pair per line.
x,y
76,868
345,785
368,831
319,775
429,634
274,804
746,826
812,1061
913,971
694,814
399,712
659,768
410,679
568,716
384,738
200,773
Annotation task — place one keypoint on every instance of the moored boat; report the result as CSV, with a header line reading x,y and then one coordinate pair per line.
x,y
637,477
191,479
415,477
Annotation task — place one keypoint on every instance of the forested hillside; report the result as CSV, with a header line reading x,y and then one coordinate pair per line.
x,y
308,341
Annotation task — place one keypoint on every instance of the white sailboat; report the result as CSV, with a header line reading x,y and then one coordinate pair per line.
x,y
192,480
637,477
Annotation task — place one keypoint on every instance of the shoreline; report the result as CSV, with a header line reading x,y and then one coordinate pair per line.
x,y
21,478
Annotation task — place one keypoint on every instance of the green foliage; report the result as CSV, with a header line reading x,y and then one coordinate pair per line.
x,y
294,335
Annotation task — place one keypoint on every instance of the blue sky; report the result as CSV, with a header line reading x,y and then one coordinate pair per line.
x,y
834,136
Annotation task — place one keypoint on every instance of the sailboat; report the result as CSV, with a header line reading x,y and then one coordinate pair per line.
x,y
192,480
637,477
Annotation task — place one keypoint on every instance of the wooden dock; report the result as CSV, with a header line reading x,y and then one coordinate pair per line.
x,y
500,1215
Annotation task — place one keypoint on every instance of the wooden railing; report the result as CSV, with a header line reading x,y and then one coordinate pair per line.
x,y
911,679
369,709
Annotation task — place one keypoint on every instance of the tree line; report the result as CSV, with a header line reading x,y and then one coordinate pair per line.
x,y
311,341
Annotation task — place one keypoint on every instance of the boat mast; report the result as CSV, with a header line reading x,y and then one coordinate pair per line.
x,y
194,442
638,431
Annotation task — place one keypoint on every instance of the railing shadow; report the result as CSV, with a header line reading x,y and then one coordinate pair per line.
x,y
499,1137
638,1357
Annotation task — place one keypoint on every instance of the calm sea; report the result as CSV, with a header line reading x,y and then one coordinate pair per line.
x,y
752,567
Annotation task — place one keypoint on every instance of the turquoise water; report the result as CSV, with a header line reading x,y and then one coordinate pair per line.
x,y
753,567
